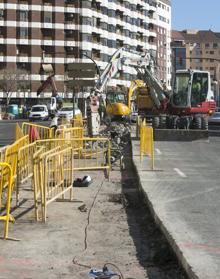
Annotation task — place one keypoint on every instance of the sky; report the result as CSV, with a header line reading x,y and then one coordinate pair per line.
x,y
196,14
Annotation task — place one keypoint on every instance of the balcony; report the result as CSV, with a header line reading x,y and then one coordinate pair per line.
x,y
22,58
23,41
47,25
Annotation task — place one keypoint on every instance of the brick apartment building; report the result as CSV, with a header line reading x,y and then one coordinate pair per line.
x,y
58,32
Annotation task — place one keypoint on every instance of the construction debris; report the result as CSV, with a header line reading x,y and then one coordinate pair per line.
x,y
119,133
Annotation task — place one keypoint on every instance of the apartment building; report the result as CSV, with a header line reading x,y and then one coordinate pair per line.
x,y
57,32
198,49
164,40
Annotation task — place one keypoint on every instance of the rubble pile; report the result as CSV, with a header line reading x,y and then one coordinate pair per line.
x,y
119,133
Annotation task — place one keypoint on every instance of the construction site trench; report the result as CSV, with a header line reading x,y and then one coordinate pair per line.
x,y
107,222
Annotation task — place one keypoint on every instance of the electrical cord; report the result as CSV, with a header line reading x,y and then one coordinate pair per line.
x,y
86,228
120,276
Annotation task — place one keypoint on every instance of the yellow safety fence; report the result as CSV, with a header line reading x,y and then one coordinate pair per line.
x,y
24,166
18,132
11,154
89,153
49,183
36,131
2,153
68,133
6,180
77,121
146,142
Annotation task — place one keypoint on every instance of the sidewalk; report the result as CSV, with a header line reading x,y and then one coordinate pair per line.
x,y
184,206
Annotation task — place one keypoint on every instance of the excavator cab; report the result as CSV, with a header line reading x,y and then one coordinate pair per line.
x,y
116,104
191,89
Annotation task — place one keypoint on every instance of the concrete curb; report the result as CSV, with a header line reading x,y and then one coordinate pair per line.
x,y
179,135
177,250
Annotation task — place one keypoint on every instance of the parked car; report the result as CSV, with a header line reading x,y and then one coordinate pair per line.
x,y
67,112
215,118
39,112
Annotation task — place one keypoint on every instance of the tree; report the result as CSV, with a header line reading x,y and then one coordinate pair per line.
x,y
12,80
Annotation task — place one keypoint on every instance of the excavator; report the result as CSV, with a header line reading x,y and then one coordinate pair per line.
x,y
56,101
187,106
116,100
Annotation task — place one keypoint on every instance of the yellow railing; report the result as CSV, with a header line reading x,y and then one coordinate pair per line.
x,y
11,153
89,154
146,142
69,133
49,183
36,131
24,166
6,180
18,132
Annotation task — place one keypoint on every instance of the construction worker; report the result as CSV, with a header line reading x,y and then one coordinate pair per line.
x,y
196,91
54,122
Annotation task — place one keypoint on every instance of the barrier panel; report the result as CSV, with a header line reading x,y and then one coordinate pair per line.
x,y
53,177
89,153
68,133
6,180
2,153
18,132
36,131
25,167
36,178
11,154
146,142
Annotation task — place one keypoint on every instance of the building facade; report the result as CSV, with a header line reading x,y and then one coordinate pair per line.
x,y
36,32
164,40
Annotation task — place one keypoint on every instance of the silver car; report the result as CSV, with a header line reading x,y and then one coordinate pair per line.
x,y
67,112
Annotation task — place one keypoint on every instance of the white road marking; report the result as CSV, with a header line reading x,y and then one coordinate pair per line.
x,y
182,174
158,151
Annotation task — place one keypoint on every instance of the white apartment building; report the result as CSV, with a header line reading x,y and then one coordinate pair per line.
x,y
164,60
33,32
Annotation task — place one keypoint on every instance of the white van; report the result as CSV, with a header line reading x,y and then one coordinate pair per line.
x,y
39,112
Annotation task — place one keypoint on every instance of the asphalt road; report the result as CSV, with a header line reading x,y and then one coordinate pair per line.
x,y
7,130
184,192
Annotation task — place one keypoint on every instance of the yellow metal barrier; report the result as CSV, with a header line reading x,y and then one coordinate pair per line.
x,y
2,153
77,121
146,142
69,133
54,177
25,167
18,132
36,131
89,153
6,179
11,154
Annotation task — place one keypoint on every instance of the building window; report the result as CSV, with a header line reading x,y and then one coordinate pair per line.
x,y
23,15
1,13
215,45
48,17
23,32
